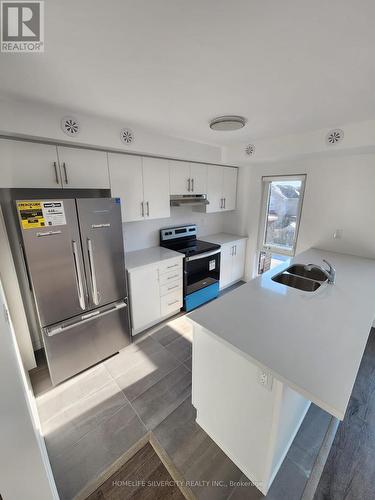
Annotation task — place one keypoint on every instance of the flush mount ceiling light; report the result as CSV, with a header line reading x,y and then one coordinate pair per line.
x,y
226,123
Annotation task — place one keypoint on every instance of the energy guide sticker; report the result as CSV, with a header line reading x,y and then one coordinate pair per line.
x,y
37,214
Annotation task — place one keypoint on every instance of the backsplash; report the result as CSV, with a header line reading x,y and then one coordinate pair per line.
x,y
145,234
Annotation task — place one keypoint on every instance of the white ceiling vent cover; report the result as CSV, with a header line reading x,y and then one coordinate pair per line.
x,y
70,126
250,150
334,136
127,136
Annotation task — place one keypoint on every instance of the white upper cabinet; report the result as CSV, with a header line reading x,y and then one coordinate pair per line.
x,y
187,178
142,184
198,175
126,180
28,165
221,188
156,188
229,188
214,188
179,172
83,168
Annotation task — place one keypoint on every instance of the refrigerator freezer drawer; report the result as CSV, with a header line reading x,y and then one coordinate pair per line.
x,y
82,344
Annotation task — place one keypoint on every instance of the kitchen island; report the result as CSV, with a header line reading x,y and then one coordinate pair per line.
x,y
263,352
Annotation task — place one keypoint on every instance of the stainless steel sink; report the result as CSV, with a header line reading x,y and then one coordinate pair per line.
x,y
297,276
294,281
313,274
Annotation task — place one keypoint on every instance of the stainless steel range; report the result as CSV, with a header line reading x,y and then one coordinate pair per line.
x,y
74,255
201,264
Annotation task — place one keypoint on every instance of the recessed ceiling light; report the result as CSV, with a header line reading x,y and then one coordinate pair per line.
x,y
230,122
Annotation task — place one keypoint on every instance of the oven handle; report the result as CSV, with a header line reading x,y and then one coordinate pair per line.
x,y
202,255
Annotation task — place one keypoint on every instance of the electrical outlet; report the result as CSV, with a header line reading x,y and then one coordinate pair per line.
x,y
265,379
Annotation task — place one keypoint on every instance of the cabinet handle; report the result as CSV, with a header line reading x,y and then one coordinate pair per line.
x,y
172,287
174,302
225,202
235,249
192,185
65,174
188,182
173,265
148,209
172,277
56,174
221,202
142,209
232,250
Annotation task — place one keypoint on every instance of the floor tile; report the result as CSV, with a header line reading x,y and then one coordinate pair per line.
x,y
289,482
68,427
188,363
309,439
195,455
149,370
132,355
155,404
245,490
96,451
59,398
181,348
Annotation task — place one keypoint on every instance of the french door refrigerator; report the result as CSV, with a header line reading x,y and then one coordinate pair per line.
x,y
74,256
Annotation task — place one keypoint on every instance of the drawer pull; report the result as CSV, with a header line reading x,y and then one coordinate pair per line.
x,y
173,287
174,302
170,267
172,277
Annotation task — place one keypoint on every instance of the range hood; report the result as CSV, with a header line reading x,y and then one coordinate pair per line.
x,y
178,200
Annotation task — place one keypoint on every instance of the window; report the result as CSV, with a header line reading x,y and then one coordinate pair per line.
x,y
280,217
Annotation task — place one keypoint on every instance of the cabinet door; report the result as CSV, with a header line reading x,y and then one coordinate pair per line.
x,y
156,188
28,165
144,296
179,172
238,260
229,188
226,264
214,188
126,181
83,168
198,175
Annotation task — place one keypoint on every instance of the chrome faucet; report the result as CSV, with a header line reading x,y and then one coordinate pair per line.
x,y
330,273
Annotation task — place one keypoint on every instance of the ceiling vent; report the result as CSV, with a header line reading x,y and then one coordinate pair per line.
x,y
70,126
334,136
127,136
250,150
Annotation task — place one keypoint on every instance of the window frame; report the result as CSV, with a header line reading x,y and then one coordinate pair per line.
x,y
266,183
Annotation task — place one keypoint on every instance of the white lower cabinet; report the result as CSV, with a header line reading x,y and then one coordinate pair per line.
x,y
155,293
232,262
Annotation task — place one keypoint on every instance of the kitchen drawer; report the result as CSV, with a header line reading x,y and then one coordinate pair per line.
x,y
170,265
171,302
167,278
171,287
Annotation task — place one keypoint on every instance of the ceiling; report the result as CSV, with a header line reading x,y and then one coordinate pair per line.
x,y
288,66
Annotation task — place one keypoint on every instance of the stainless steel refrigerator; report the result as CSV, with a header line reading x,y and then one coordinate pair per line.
x,y
74,255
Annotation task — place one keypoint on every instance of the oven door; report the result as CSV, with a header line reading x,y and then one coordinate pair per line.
x,y
201,271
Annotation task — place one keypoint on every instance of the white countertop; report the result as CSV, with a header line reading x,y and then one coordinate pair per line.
x,y
312,341
147,256
222,238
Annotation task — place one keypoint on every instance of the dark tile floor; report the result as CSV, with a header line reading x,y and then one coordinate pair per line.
x,y
100,417
349,472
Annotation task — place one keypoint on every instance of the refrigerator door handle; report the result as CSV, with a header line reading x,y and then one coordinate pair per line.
x,y
63,327
95,293
77,267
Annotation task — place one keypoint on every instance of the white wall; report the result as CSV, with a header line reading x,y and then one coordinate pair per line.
x,y
38,121
339,194
145,234
25,469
